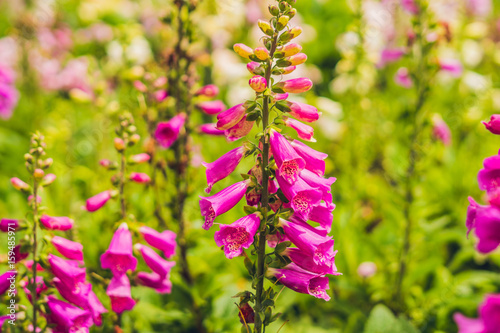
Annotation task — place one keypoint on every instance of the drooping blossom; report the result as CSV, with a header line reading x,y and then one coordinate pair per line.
x,y
118,257
69,249
155,281
314,160
303,198
61,223
7,225
164,241
96,308
67,317
140,178
240,130
287,159
230,117
493,125
97,201
154,261
66,271
238,235
119,292
304,132
19,185
487,228
77,294
303,112
305,261
223,167
211,107
488,321
167,132
210,129
489,176
295,86
6,279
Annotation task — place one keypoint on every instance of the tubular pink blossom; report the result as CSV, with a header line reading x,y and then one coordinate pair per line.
x,y
154,261
164,241
69,249
306,262
118,257
96,308
218,204
240,130
288,161
97,201
323,214
238,235
167,132
258,83
280,97
489,176
314,160
6,279
119,292
160,95
140,158
56,223
487,225
7,225
210,129
403,78
304,132
67,317
77,294
223,167
288,70
255,68
19,185
139,177
323,184
66,271
302,197
40,286
303,112
210,90
494,124
295,86
489,317
154,281
211,107
230,117
18,255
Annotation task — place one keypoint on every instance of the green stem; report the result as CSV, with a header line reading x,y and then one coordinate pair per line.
x,y
123,164
35,227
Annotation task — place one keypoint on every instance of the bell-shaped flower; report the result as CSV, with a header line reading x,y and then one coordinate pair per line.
x,y
303,112
69,249
77,294
304,132
97,201
231,117
118,257
295,86
494,124
211,107
164,241
487,225
314,160
306,262
7,225
167,132
488,321
96,308
223,167
303,198
323,214
154,261
287,159
489,176
61,223
210,90
218,204
324,184
67,317
210,129
66,271
240,130
119,293
6,280
238,235
301,281
156,282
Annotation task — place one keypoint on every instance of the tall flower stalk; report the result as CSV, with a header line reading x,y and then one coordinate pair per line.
x,y
284,189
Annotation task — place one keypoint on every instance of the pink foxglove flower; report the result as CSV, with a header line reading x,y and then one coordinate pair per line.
x,y
297,59
61,223
67,317
210,90
403,78
154,261
96,308
118,257
119,292
323,214
494,124
211,107
154,281
240,130
288,161
97,201
487,228
218,204
211,129
69,249
66,271
304,132
258,83
301,281
488,321
160,95
489,176
237,236
303,198
314,160
306,262
282,97
323,184
77,294
140,178
303,112
231,117
255,68
6,279
7,225
164,241
295,86
167,132
223,167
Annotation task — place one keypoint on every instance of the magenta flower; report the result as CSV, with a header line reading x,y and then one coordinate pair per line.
x,y
240,130
154,281
301,281
488,321
489,176
452,66
67,317
223,167
160,95
238,235
295,86
6,279
61,223
304,132
19,185
18,255
323,214
97,201
303,198
140,158
323,184
314,160
306,262
282,97
5,224
154,261
487,225
8,100
66,271
77,294
211,107
167,132
118,257
164,241
210,129
96,308
119,292
403,78
218,204
410,6
69,249
230,117
287,159
494,124
140,178
303,112
258,83
390,55
470,223
255,68
210,90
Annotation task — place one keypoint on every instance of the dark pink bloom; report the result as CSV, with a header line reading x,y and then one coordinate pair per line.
x,y
238,235
489,176
303,198
211,107
323,184
6,279
167,132
3,319
153,280
231,117
18,255
160,95
282,97
258,83
306,262
29,265
210,129
218,204
494,124
118,257
210,90
323,214
487,225
287,159
301,281
77,294
304,132
295,86
303,112
97,201
488,321
223,167
403,78
164,241
67,317
241,129
8,100
5,224
119,293
69,249
410,6
154,261
390,55
140,177
315,160
67,272
441,131
140,158
56,223
452,66
96,308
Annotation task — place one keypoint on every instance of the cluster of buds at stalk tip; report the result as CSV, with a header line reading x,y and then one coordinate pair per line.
x,y
126,137
285,189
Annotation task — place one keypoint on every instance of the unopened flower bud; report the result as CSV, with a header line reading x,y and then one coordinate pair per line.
x,y
255,68
28,157
265,27
493,125
242,50
285,6
294,86
160,95
134,139
274,10
19,184
292,13
48,179
47,163
288,70
297,59
261,53
139,177
258,83
210,90
105,163
140,158
139,86
295,32
282,22
119,144
38,174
